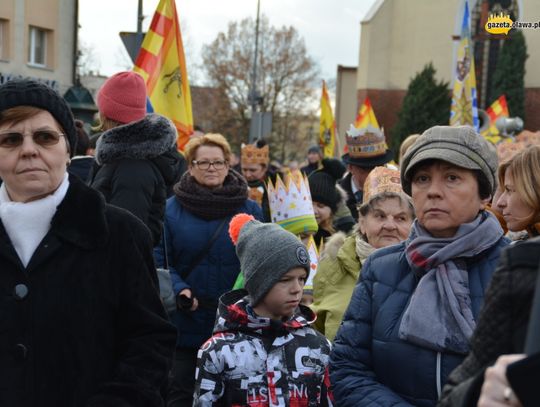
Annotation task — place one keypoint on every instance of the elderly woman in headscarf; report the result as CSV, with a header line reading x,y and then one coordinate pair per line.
x,y
416,304
81,320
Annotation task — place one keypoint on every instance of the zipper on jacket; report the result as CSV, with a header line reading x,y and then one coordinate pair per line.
x,y
439,390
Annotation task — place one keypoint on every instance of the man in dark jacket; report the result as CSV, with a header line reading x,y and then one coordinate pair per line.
x,y
367,149
314,158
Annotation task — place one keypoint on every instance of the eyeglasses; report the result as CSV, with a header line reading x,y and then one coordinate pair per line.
x,y
43,138
205,165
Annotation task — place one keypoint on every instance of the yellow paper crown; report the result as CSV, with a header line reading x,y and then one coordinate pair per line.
x,y
253,155
381,179
290,204
365,142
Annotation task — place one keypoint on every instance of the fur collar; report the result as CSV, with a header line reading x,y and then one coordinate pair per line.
x,y
146,138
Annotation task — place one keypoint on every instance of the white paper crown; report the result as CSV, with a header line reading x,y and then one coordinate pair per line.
x,y
290,203
313,251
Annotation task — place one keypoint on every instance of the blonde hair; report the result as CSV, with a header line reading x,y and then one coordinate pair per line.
x,y
210,139
105,124
525,167
406,144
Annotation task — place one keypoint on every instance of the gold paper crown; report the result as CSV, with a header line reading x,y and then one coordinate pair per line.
x,y
381,179
290,204
529,138
506,151
365,142
253,155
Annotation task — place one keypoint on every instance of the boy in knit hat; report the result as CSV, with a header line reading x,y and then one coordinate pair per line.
x,y
263,351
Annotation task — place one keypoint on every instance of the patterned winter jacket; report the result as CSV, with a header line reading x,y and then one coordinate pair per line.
x,y
252,361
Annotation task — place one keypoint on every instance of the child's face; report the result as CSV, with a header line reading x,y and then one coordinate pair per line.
x,y
284,297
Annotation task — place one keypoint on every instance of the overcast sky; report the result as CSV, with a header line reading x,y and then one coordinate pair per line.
x,y
331,29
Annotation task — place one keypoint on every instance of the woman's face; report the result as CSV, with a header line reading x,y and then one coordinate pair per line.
x,y
211,177
389,222
517,214
322,212
34,168
254,172
444,197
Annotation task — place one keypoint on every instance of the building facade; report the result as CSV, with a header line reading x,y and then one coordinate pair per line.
x,y
38,39
399,37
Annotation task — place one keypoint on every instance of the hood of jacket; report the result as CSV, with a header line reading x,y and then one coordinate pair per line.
x,y
235,314
349,251
147,138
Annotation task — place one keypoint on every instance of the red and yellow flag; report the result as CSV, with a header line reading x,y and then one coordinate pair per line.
x,y
327,128
366,116
499,108
162,64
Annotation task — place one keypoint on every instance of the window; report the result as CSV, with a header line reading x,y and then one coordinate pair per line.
x,y
37,51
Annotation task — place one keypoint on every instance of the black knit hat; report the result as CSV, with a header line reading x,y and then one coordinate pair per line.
x,y
29,92
322,183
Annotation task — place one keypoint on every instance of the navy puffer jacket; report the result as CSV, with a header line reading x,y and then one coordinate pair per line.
x,y
370,365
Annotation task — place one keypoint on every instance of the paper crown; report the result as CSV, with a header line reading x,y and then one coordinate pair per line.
x,y
314,252
381,179
253,155
365,142
290,204
529,138
506,151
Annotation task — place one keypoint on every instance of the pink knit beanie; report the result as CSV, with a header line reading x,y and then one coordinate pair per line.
x,y
123,97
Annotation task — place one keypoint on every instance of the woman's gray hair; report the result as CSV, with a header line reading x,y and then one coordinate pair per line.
x,y
367,207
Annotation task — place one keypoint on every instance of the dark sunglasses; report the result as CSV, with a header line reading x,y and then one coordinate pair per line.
x,y
43,138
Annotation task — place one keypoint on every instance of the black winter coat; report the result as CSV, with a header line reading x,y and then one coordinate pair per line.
x,y
83,324
502,325
137,166
351,203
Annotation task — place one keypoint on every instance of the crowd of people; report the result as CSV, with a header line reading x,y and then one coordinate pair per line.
x,y
356,281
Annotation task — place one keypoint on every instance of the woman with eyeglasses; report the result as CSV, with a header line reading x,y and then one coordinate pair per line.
x,y
81,322
136,156
201,256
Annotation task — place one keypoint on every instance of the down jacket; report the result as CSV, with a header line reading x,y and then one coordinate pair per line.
x,y
82,324
256,361
137,165
186,235
370,365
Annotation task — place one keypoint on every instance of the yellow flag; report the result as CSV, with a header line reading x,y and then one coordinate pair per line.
x,y
366,116
464,108
162,64
327,128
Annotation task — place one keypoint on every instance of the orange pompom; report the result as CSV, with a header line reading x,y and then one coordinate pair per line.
x,y
236,224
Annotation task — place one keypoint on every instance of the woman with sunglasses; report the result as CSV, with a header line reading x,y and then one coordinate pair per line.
x,y
201,256
81,322
137,160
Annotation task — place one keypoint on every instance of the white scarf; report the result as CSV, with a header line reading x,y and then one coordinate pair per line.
x,y
27,223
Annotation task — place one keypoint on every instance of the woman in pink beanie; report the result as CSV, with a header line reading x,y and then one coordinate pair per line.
x,y
136,158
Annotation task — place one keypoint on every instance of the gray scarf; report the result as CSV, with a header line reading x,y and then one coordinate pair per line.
x,y
439,314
